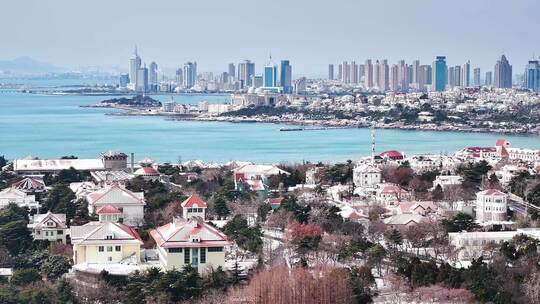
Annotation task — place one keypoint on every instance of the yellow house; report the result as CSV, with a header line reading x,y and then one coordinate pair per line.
x,y
105,243
190,241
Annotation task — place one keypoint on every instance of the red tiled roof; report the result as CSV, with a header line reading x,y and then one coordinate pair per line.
x,y
130,231
108,209
391,154
355,216
500,142
275,201
29,184
192,200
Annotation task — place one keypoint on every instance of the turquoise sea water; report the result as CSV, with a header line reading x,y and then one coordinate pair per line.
x,y
52,126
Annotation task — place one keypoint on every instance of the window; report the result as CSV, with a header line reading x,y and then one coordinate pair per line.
x,y
109,237
186,256
109,248
175,250
215,249
60,232
203,255
117,248
38,232
109,259
101,248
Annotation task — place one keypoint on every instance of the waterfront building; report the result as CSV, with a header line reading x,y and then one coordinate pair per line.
x,y
130,203
466,75
134,66
124,80
190,242
285,79
246,71
368,75
232,70
49,226
330,72
489,78
532,76
476,77
502,73
439,74
142,80
190,74
491,206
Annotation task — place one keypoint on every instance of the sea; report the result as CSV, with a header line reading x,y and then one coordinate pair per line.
x,y
51,126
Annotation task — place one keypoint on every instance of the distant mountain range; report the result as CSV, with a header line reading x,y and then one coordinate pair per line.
x,y
28,66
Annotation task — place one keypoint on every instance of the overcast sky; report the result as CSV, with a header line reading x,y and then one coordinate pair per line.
x,y
311,33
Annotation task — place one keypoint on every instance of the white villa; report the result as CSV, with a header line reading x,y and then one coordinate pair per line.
x,y
18,197
366,176
491,206
49,226
190,241
446,181
131,204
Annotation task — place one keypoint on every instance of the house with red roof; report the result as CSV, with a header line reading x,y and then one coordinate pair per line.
x,y
190,241
131,204
194,206
391,193
30,185
109,213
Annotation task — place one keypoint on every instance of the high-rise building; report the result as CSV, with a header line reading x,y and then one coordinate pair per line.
x,y
190,74
246,70
489,78
142,80
368,74
439,74
532,76
300,86
450,77
134,66
340,72
270,74
354,72
394,77
415,72
424,77
476,77
457,76
345,72
384,75
503,73
257,81
330,72
232,70
466,75
377,74
153,76
179,77
124,80
285,79
403,75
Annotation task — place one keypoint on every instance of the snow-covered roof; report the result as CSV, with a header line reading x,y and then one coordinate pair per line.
x,y
115,195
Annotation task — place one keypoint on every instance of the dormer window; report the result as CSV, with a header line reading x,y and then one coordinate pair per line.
x,y
50,224
195,239
109,236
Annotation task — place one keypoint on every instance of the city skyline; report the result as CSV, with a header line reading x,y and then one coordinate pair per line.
x,y
491,30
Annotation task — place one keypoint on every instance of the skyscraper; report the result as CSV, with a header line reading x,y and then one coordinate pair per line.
x,y
532,76
285,79
153,76
340,72
489,78
124,80
403,75
451,77
503,73
466,75
179,77
134,66
384,75
354,72
142,80
330,72
439,74
476,77
416,73
377,74
270,74
394,78
232,70
368,74
246,70
190,74
345,72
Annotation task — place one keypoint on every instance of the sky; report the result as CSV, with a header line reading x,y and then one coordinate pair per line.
x,y
311,34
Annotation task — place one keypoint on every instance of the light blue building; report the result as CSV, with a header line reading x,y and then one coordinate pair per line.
x,y
190,74
270,76
439,74
532,76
